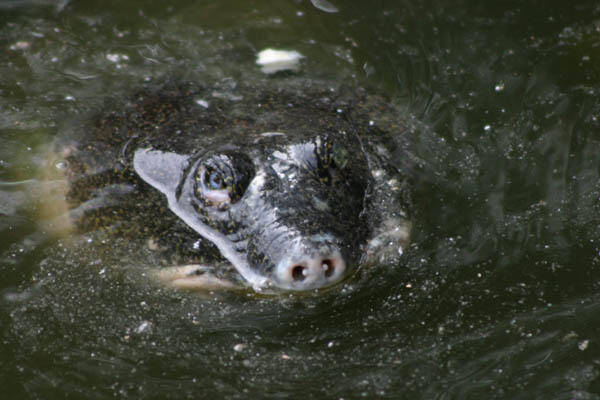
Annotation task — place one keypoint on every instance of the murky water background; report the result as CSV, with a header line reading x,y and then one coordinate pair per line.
x,y
498,297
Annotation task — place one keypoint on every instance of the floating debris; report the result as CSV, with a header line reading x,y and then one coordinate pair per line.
x,y
272,60
324,5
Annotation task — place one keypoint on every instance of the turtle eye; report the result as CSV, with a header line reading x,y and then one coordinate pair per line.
x,y
213,185
215,180
222,179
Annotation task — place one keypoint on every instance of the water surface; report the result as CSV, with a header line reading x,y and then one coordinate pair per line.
x,y
496,298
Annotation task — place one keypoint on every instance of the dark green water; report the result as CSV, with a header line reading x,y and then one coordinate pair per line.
x,y
498,297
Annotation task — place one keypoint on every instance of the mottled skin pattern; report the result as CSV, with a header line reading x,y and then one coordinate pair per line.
x,y
270,174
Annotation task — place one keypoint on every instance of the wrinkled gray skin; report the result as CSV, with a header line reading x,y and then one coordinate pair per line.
x,y
294,186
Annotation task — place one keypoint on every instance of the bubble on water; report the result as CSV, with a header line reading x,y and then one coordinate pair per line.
x,y
144,326
583,344
240,347
117,57
247,363
202,103
61,165
487,127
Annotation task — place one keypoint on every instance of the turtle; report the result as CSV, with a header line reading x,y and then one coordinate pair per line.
x,y
278,184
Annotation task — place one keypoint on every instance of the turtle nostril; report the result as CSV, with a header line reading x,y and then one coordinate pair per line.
x,y
328,267
298,273
310,271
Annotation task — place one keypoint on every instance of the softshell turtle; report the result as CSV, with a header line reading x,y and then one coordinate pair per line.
x,y
284,183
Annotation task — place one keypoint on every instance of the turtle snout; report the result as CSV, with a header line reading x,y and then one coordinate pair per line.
x,y
302,272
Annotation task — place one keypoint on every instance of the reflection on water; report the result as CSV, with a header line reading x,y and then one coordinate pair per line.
x,y
496,298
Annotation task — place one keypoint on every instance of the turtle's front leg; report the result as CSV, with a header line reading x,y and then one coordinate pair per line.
x,y
192,277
